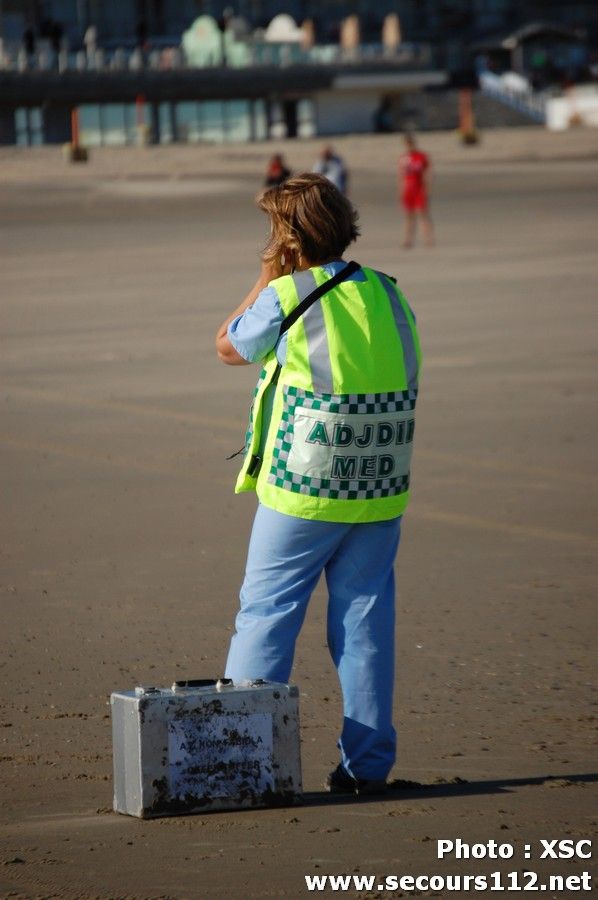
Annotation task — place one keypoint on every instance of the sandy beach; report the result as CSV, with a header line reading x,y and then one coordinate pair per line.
x,y
123,544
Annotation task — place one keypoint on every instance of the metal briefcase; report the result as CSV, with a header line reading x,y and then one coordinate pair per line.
x,y
205,745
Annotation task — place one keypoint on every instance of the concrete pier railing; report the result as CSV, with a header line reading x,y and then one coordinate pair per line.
x,y
119,59
514,91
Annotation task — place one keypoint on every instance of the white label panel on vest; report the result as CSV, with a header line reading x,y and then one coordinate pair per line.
x,y
351,447
344,446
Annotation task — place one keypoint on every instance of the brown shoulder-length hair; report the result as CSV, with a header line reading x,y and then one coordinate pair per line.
x,y
310,217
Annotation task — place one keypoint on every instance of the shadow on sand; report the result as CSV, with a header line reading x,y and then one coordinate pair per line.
x,y
455,787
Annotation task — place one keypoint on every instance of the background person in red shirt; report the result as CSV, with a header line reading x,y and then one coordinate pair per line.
x,y
277,171
413,168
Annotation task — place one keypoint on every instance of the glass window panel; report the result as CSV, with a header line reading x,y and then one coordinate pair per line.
x,y
134,117
20,118
211,120
36,128
306,120
90,130
113,124
236,120
187,125
21,127
260,122
165,123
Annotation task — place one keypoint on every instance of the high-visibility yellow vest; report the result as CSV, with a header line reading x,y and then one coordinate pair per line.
x,y
339,440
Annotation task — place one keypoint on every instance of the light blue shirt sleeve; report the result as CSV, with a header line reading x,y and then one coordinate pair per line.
x,y
255,332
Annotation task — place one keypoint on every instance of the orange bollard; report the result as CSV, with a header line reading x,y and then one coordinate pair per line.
x,y
140,109
74,151
467,129
75,127
143,131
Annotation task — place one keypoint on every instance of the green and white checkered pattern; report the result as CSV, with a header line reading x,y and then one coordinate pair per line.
x,y
331,488
250,426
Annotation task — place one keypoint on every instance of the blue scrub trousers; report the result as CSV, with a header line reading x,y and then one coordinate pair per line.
x,y
285,560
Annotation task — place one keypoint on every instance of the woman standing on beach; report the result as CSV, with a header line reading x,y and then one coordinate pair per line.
x,y
328,451
414,167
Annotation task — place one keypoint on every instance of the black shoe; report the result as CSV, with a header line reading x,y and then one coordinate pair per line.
x,y
340,782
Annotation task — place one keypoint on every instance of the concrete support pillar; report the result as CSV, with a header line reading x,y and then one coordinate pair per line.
x,y
154,115
56,123
8,131
173,121
290,117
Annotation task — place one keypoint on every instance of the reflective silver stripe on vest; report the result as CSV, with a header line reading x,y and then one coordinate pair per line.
x,y
315,333
405,333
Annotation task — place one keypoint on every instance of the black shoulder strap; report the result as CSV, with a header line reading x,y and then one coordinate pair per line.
x,y
316,294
